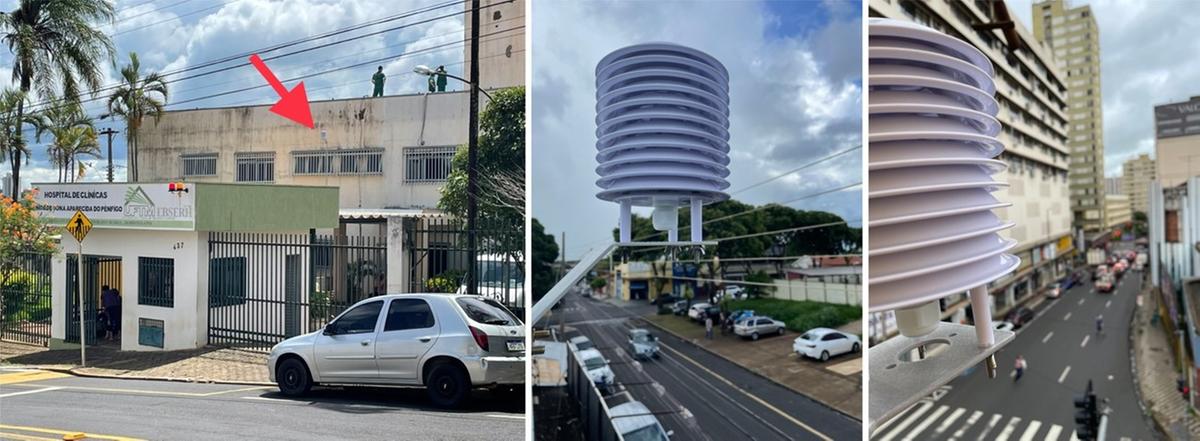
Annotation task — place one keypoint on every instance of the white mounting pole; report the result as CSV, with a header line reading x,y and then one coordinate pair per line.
x,y
697,220
983,316
626,221
673,235
79,294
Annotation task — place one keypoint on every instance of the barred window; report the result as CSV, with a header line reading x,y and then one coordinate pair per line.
x,y
201,164
427,164
338,162
255,167
156,281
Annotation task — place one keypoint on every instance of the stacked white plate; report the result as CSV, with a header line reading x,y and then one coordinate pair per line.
x,y
932,164
662,125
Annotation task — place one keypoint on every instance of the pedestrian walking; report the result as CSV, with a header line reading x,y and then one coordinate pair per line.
x,y
708,326
721,322
378,80
1100,324
1019,367
110,300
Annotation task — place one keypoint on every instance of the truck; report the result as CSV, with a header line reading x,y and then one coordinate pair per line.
x,y
1095,256
1139,262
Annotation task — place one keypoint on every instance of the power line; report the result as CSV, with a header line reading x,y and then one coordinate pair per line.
x,y
802,167
189,14
122,19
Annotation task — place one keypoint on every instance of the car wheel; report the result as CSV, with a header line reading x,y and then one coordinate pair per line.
x,y
824,355
854,348
448,385
293,378
780,331
754,336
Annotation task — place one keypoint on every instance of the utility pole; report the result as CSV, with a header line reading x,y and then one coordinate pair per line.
x,y
472,152
110,132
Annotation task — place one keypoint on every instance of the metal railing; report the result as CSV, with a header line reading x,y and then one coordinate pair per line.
x,y
439,256
593,410
25,312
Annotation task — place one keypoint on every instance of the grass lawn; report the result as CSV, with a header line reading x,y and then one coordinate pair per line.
x,y
801,316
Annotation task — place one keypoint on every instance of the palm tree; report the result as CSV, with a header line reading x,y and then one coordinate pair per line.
x,y
135,100
74,135
11,123
55,47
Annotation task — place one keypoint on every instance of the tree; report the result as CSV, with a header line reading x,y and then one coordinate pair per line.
x,y
12,121
55,47
22,233
74,136
500,162
137,98
753,287
545,250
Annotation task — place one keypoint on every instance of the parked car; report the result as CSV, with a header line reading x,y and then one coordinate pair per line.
x,y
736,291
756,326
1055,291
696,312
714,312
1020,317
822,343
580,342
634,421
740,314
1105,284
445,342
679,307
642,344
597,368
1002,326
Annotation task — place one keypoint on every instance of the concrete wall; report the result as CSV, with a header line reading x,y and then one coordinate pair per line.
x,y
394,123
502,56
185,324
839,293
1177,159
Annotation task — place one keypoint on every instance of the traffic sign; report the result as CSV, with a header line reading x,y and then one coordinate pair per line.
x,y
79,225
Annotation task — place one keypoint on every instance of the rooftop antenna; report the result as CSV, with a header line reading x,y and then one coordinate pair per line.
x,y
933,233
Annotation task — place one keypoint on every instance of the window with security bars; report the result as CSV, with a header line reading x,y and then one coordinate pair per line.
x,y
199,165
338,162
226,281
156,281
427,164
256,167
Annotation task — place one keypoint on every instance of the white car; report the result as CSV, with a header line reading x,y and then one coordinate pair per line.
x,y
822,343
580,342
445,342
634,422
1003,326
596,366
696,312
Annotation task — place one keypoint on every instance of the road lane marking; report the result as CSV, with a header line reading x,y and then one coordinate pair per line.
x,y
511,417
970,422
27,376
1081,299
748,394
1054,431
1034,425
1106,304
990,425
1064,374
925,424
950,420
1008,429
1047,337
158,392
1085,340
1067,317
65,432
19,437
925,406
44,389
1074,436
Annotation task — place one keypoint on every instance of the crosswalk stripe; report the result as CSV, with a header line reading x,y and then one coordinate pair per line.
x,y
1008,429
925,405
991,425
1034,425
950,420
925,424
1074,437
1052,434
970,422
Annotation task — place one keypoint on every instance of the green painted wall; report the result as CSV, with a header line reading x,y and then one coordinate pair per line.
x,y
254,207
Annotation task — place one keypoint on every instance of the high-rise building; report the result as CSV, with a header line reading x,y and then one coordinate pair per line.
x,y
1075,39
1177,141
1033,114
1113,185
1136,175
1116,207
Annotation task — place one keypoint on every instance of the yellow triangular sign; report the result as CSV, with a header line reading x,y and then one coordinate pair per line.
x,y
79,225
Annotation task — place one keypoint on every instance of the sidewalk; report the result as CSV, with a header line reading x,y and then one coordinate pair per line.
x,y
199,365
836,384
1155,364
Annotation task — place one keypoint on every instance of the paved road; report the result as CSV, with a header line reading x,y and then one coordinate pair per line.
x,y
1063,351
37,405
701,396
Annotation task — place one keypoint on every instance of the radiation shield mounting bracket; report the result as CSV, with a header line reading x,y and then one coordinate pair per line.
x,y
896,384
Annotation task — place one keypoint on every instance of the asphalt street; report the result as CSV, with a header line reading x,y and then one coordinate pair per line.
x,y
39,405
696,394
1063,350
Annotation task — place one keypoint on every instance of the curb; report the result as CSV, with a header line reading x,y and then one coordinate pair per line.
x,y
75,372
756,373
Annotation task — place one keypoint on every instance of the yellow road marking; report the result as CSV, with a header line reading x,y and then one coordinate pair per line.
x,y
27,376
19,437
158,392
65,432
748,394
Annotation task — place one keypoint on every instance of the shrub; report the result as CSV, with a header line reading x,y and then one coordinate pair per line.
x,y
446,282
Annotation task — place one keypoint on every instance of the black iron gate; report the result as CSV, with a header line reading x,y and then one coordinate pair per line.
x,y
439,256
26,301
98,271
264,288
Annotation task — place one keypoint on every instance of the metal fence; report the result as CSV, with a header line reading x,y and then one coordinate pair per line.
x,y
98,272
264,288
26,312
593,410
439,259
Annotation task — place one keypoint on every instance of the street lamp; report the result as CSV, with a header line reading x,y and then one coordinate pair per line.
x,y
422,69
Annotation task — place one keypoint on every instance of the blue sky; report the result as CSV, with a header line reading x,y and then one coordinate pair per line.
x,y
796,96
173,34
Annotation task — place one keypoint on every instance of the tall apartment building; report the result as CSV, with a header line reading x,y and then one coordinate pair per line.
x,y
1117,209
1113,185
1033,112
1075,39
1177,141
1136,176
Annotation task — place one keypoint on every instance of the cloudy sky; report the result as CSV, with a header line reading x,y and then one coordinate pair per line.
x,y
796,87
1148,56
170,35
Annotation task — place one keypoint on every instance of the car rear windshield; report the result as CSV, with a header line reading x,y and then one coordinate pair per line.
x,y
594,363
586,344
808,336
641,338
487,311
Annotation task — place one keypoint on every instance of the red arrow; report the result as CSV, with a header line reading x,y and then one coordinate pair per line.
x,y
292,105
